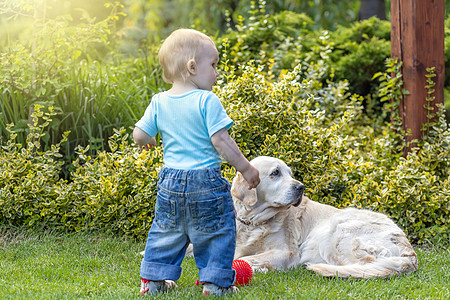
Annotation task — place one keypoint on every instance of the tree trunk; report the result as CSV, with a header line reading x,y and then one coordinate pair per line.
x,y
370,8
417,39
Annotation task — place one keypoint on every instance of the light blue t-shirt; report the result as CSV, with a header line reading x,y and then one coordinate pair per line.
x,y
186,123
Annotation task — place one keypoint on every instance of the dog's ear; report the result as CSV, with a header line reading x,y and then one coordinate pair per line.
x,y
239,190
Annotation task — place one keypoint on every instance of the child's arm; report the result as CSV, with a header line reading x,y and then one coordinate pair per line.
x,y
229,150
142,139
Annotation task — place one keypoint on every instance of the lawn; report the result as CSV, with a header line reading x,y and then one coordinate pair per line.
x,y
53,265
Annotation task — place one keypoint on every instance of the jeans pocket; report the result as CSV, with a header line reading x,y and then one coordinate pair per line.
x,y
165,213
208,215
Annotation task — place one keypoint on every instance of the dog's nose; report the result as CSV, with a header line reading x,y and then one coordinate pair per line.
x,y
300,188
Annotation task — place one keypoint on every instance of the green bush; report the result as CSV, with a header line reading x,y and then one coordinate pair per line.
x,y
341,161
29,180
267,37
318,129
281,42
79,70
115,191
287,101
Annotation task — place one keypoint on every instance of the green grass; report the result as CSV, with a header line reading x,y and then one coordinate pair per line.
x,y
53,265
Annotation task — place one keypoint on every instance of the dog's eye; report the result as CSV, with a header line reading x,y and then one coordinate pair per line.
x,y
275,173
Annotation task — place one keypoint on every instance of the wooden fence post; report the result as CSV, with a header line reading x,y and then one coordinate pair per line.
x,y
417,39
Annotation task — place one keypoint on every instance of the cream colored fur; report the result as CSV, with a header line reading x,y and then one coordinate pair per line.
x,y
279,228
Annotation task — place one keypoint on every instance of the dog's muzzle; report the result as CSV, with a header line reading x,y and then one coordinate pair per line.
x,y
298,194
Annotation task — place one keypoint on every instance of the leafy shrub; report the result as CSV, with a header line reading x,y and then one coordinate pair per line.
x,y
300,114
30,176
357,52
93,94
116,190
317,130
266,38
360,63
286,118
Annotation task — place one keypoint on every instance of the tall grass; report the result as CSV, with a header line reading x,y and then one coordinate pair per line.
x,y
91,98
102,97
13,109
77,70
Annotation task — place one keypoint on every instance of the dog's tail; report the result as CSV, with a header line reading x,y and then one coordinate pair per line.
x,y
382,267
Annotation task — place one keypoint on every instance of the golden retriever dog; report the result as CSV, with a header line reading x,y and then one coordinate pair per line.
x,y
279,228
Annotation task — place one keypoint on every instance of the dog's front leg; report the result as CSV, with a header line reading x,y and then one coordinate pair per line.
x,y
272,260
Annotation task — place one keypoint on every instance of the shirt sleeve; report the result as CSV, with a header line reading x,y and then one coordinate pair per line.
x,y
148,123
215,115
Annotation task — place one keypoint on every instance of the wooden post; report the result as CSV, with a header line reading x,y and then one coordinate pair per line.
x,y
417,39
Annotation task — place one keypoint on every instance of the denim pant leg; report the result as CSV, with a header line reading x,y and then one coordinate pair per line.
x,y
166,242
212,228
214,253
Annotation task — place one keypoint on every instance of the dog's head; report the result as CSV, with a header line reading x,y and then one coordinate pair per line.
x,y
277,188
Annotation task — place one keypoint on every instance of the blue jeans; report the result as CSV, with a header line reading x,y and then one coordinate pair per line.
x,y
192,206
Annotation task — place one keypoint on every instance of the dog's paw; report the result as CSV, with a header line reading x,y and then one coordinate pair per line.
x,y
259,269
189,251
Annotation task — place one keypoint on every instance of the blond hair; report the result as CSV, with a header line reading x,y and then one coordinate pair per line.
x,y
180,47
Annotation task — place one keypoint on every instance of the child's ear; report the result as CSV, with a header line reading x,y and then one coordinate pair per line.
x,y
191,66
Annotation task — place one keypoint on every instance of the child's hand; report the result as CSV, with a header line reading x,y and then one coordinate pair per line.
x,y
143,140
251,175
146,147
